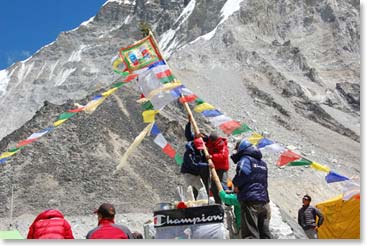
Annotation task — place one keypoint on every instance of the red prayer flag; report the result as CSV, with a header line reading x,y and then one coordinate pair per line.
x,y
287,157
164,74
130,77
77,110
169,151
25,142
229,126
188,98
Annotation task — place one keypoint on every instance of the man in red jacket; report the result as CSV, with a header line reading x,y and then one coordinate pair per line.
x,y
218,151
107,229
50,224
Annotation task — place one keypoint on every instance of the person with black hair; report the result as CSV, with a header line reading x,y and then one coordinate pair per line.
x,y
107,229
307,218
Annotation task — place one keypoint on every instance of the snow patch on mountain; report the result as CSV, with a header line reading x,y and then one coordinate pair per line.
x,y
186,12
84,23
52,67
76,55
227,10
119,2
61,77
4,80
23,71
168,41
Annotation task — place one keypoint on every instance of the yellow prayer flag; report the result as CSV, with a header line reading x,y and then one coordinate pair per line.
x,y
203,106
149,115
92,105
116,63
59,122
109,92
165,87
320,167
255,138
7,154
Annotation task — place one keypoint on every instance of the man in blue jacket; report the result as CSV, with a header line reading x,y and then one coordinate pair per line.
x,y
251,185
195,168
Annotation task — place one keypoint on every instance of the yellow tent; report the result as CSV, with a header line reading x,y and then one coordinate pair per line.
x,y
342,218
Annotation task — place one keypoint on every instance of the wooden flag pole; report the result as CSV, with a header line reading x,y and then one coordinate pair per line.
x,y
214,175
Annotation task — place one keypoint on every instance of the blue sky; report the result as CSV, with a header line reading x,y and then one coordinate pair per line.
x,y
28,25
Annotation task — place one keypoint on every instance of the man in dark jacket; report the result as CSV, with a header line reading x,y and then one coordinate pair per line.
x,y
107,229
195,169
251,185
195,164
307,218
219,154
50,224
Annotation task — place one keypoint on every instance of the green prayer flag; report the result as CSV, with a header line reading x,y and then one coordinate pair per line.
x,y
147,105
243,128
15,149
166,80
65,115
301,162
118,85
178,159
198,101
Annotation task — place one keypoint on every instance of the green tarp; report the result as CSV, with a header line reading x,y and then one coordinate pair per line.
x,y
14,234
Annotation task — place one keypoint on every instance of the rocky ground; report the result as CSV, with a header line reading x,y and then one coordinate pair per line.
x,y
136,221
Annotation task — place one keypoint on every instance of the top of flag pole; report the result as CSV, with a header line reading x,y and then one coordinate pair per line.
x,y
140,54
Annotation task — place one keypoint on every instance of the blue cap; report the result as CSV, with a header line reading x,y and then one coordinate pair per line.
x,y
244,144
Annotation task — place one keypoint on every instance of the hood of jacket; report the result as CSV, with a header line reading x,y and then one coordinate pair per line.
x,y
250,151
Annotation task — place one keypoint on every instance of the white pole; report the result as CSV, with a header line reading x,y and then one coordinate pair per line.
x,y
11,209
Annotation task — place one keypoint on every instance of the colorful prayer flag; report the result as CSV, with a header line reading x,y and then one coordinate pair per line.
x,y
219,120
203,106
287,157
77,110
178,159
350,189
169,151
160,140
241,129
320,167
66,115
149,115
109,92
211,113
155,130
334,177
141,54
273,148
40,133
230,126
130,77
255,138
264,142
301,162
93,105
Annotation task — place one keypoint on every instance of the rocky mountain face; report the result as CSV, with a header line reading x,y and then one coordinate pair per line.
x,y
289,69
